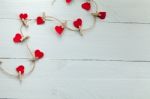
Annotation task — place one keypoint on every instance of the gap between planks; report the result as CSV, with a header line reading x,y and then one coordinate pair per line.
x,y
103,60
121,22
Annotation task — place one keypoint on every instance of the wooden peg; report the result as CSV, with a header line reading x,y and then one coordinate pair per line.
x,y
25,23
95,14
25,38
20,76
80,31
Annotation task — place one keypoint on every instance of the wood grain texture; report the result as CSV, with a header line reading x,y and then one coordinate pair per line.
x,y
111,61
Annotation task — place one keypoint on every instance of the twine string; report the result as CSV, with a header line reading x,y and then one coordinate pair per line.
x,y
93,24
32,61
64,23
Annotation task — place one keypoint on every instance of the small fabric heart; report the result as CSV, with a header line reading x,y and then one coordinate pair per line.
x,y
38,54
20,69
59,29
17,38
77,23
23,16
40,20
102,15
68,1
86,6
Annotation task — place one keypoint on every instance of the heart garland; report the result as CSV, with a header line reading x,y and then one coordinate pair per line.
x,y
20,38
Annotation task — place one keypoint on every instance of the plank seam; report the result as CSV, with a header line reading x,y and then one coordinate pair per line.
x,y
84,59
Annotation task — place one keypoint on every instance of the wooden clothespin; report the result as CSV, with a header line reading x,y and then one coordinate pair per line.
x,y
24,22
20,76
24,38
95,14
80,31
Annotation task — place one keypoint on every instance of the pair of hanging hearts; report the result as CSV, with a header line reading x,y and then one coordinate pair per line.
x,y
38,55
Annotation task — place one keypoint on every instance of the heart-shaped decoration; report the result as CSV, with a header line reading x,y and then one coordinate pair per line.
x,y
102,15
86,6
77,23
20,69
38,54
17,38
40,20
68,1
59,29
23,16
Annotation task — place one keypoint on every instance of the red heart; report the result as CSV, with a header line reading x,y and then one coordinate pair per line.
x,y
86,6
17,38
102,15
40,20
20,69
38,54
68,1
77,23
23,16
59,29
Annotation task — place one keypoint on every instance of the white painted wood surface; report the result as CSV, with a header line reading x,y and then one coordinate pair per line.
x,y
111,61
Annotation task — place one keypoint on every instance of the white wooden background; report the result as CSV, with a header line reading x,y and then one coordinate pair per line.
x,y
111,61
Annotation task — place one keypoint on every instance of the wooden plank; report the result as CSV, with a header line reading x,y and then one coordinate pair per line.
x,y
79,79
105,41
127,10
80,70
114,89
118,11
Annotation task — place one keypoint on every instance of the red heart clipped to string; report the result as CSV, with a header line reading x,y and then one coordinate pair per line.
x,y
102,15
40,20
68,1
17,38
59,29
23,16
38,54
77,23
86,6
20,69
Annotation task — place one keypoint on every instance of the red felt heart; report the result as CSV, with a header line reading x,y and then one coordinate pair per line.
x,y
40,20
23,16
86,6
59,29
38,54
77,23
17,38
68,1
20,69
102,15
